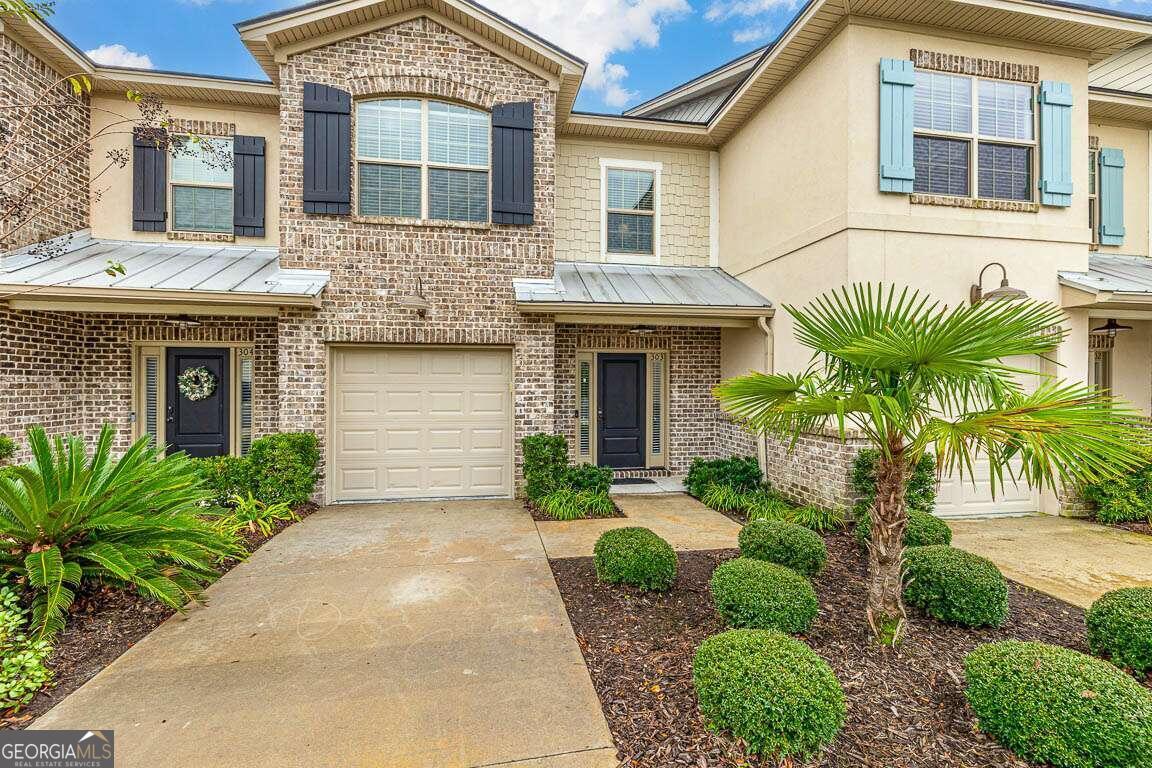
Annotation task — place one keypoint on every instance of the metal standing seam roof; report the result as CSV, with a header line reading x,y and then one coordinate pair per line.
x,y
157,267
584,283
1113,274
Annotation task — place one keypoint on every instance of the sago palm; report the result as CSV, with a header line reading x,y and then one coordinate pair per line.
x,y
916,377
66,517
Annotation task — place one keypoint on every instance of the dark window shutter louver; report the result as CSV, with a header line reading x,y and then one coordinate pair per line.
x,y
512,164
248,186
327,150
149,184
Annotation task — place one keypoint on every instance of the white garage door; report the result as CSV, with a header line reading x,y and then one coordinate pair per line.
x,y
411,423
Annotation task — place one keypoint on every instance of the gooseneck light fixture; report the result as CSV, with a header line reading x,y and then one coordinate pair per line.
x,y
1004,293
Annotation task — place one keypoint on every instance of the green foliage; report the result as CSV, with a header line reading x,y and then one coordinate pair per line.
x,y
739,472
770,690
727,498
783,543
1054,705
67,517
248,513
755,594
545,463
587,477
7,448
22,660
919,489
280,468
924,530
569,504
634,556
1126,499
1120,627
955,586
819,519
226,477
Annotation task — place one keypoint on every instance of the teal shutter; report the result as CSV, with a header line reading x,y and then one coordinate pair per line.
x,y
1055,143
897,168
1111,197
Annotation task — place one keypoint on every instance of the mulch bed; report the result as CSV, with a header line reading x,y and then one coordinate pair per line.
x,y
1144,528
540,517
102,624
906,707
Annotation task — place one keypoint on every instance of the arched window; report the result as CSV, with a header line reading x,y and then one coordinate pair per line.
x,y
422,159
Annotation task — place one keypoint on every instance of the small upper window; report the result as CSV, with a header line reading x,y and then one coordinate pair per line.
x,y
202,185
421,159
630,198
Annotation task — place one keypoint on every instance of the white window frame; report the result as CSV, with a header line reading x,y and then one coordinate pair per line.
x,y
424,163
656,169
974,139
172,184
1094,197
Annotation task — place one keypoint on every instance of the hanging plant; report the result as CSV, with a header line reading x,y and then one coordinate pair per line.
x,y
197,383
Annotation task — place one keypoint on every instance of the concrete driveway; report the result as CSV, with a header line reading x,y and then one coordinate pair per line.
x,y
1073,560
422,634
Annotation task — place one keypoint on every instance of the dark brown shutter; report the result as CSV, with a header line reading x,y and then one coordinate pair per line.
x,y
512,164
327,150
248,186
149,183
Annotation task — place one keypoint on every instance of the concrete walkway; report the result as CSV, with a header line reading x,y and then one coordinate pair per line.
x,y
399,635
1073,560
681,520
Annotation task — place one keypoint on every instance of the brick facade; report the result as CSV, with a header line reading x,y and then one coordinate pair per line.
x,y
817,470
62,123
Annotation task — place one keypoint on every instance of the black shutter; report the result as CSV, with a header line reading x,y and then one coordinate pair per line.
x,y
327,150
512,163
149,183
248,186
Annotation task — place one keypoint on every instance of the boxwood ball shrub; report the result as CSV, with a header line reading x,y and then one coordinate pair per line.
x,y
789,544
955,586
635,556
1054,705
770,690
755,594
924,530
1120,628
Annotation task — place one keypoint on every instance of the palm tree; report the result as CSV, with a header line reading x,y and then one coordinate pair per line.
x,y
916,377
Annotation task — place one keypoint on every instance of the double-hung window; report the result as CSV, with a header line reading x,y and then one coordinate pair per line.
x,y
631,216
974,135
422,159
1094,195
202,185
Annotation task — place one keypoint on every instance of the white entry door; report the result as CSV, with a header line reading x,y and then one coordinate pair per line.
x,y
412,422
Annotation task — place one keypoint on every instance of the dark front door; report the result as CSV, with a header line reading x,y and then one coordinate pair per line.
x,y
621,410
196,421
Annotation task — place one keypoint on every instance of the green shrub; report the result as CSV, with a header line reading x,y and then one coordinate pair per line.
x,y
587,477
1123,500
248,513
226,477
919,488
1054,705
545,463
134,521
7,449
766,505
634,556
569,504
955,586
819,519
924,529
770,690
755,594
1120,627
22,660
783,543
284,467
739,472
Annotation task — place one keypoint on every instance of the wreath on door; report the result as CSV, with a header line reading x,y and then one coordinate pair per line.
x,y
197,383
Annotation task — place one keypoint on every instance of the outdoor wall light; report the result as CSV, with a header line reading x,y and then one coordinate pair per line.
x,y
1004,293
1111,328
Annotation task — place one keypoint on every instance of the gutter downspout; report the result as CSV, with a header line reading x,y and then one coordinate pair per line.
x,y
764,324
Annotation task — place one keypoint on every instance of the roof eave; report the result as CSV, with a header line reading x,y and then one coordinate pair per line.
x,y
66,293
654,310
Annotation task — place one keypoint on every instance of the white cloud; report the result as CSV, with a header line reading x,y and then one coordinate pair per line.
x,y
116,55
751,15
753,34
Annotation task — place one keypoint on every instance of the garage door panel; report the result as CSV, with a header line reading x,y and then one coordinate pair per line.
x,y
402,403
358,441
448,364
410,441
450,403
446,440
354,479
358,403
481,439
400,363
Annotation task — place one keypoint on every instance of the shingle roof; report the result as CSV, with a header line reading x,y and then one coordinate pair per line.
x,y
1113,274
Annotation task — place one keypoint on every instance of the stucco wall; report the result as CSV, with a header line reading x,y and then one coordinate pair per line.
x,y
1134,142
683,201
1132,364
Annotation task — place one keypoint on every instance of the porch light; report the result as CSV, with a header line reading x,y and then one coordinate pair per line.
x,y
1004,293
183,321
1111,328
642,330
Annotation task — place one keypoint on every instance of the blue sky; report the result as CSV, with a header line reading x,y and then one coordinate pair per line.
x,y
635,48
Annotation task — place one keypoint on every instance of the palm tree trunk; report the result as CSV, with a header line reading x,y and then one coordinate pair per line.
x,y
886,549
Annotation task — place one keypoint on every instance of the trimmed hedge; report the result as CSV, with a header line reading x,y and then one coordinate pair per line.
x,y
919,488
587,477
924,530
1054,705
770,690
955,586
1120,627
1126,499
545,462
741,473
754,594
278,468
788,544
635,556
